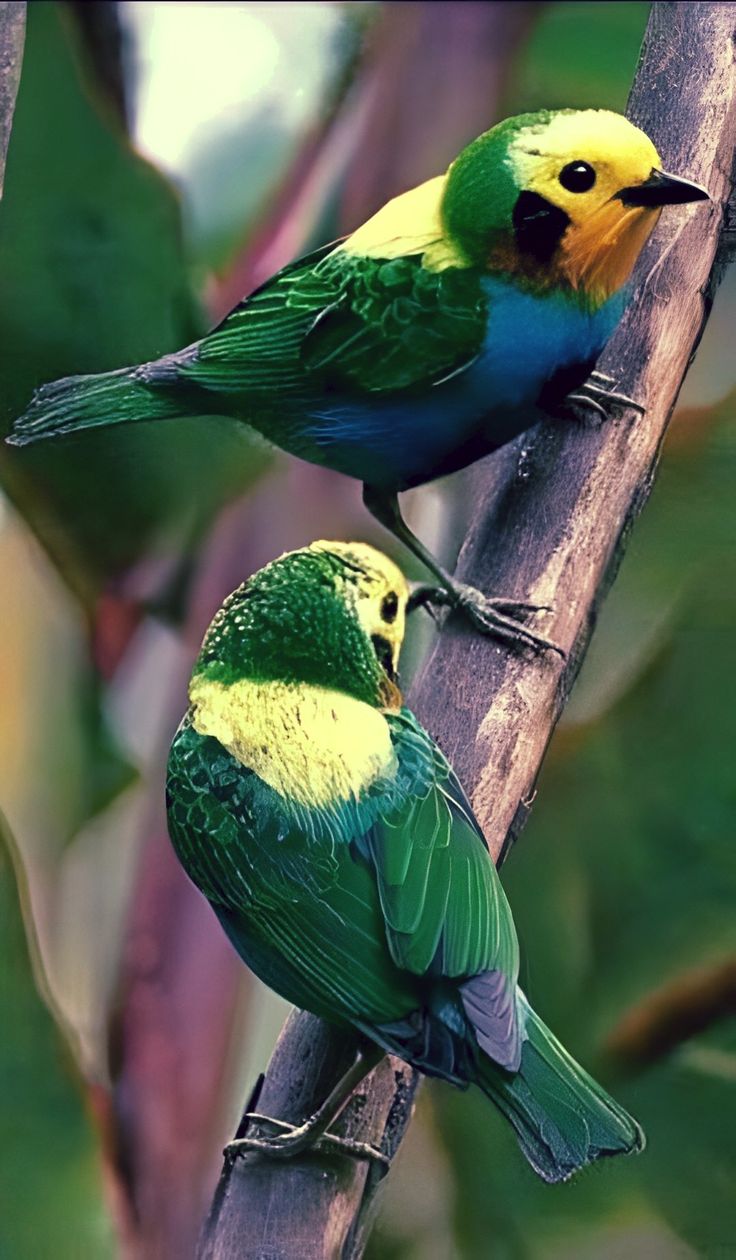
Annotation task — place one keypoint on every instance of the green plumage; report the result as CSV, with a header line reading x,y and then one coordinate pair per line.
x,y
340,320
328,322
392,326
286,624
374,884
381,907
442,328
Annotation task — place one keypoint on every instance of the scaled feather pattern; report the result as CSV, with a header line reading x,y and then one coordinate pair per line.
x,y
341,855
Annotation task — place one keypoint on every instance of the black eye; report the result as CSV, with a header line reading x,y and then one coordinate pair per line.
x,y
389,607
577,177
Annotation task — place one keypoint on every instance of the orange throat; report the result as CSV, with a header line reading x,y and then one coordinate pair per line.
x,y
598,256
390,697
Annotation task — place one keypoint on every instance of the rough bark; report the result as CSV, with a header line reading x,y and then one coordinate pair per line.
x,y
318,1205
552,512
12,32
549,524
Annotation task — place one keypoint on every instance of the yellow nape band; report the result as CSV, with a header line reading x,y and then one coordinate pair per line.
x,y
408,224
309,744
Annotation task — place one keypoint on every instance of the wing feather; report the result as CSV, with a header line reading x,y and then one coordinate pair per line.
x,y
440,894
347,923
341,322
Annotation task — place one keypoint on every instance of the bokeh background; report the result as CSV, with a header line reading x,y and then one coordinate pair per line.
x,y
166,158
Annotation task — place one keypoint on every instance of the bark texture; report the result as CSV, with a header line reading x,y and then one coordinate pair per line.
x,y
12,32
551,512
549,522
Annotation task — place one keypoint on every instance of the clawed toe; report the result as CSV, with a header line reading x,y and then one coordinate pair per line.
x,y
622,400
498,617
518,608
598,396
489,621
610,397
494,617
574,403
292,1140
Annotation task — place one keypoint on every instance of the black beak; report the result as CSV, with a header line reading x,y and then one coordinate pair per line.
x,y
662,190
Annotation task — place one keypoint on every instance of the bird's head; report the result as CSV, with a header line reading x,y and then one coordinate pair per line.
x,y
566,197
330,615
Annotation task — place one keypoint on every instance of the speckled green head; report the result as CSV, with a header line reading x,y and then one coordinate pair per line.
x,y
330,615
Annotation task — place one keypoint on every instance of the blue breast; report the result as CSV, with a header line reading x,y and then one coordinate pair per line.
x,y
399,442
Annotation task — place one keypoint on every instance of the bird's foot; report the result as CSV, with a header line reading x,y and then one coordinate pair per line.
x,y
500,618
597,400
291,1140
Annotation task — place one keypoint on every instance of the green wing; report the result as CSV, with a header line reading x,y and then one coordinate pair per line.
x,y
354,896
299,909
256,349
336,321
442,901
392,325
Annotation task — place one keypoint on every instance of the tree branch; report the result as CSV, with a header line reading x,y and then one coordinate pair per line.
x,y
12,33
549,523
678,1010
552,512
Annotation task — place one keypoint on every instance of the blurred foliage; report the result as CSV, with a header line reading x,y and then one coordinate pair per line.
x,y
263,146
245,156
581,55
625,878
92,276
51,1178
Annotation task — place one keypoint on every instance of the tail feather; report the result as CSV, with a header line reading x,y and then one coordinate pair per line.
x,y
563,1119
89,402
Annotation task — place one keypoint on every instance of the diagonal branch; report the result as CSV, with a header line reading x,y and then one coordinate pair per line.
x,y
550,521
667,1018
553,511
12,33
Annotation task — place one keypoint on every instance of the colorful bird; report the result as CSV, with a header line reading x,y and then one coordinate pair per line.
x,y
441,329
341,856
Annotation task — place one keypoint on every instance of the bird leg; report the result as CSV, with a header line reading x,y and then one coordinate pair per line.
x,y
491,615
596,395
292,1139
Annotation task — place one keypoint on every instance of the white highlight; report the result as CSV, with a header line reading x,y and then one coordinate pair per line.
x,y
196,64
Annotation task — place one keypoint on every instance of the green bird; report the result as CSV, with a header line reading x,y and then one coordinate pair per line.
x,y
342,858
442,328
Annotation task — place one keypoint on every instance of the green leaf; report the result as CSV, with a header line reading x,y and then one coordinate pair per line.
x,y
579,55
51,1195
92,277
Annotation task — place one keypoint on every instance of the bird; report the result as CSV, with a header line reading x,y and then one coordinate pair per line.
x,y
342,858
445,326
